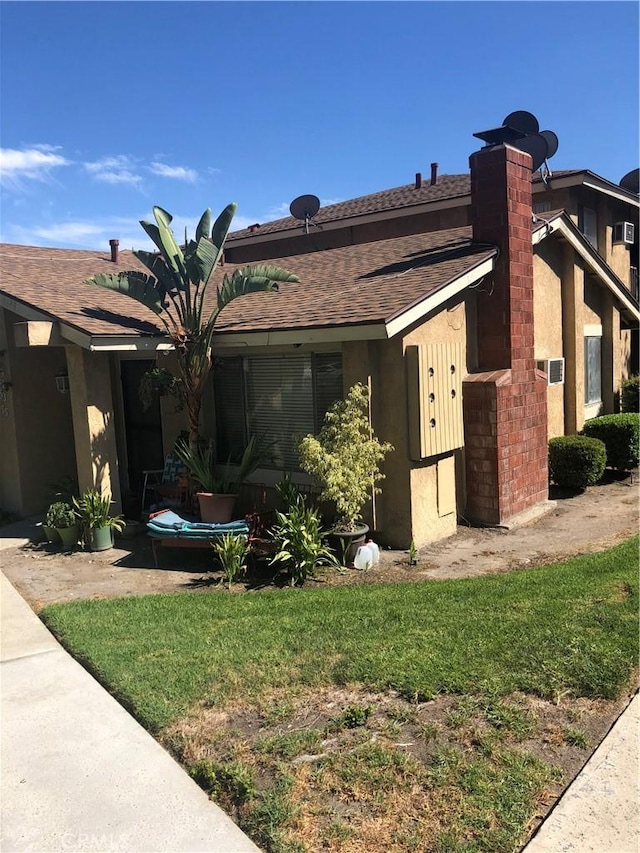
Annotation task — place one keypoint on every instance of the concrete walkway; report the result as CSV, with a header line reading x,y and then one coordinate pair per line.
x,y
599,811
78,773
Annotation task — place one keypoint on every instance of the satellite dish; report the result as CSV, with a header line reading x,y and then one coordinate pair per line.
x,y
305,208
523,121
552,142
631,181
537,146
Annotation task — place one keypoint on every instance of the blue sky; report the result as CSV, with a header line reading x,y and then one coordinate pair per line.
x,y
111,107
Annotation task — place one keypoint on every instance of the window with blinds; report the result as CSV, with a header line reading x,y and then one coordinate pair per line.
x,y
588,224
592,369
282,397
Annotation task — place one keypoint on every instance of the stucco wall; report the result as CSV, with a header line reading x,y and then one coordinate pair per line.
x,y
547,319
418,500
40,447
10,485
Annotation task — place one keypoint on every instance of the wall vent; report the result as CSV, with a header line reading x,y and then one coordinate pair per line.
x,y
624,232
554,368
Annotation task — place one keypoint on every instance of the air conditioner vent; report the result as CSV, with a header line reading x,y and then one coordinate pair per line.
x,y
624,232
554,368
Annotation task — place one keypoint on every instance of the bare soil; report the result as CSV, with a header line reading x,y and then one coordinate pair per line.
x,y
593,520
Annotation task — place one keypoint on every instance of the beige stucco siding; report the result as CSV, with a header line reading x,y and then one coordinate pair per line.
x,y
547,318
418,498
36,432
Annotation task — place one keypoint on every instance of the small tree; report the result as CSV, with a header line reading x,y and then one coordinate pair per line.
x,y
345,457
176,290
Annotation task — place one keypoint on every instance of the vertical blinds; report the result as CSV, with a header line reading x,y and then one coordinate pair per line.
x,y
282,397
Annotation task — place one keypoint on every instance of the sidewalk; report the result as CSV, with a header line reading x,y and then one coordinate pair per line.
x,y
599,811
78,772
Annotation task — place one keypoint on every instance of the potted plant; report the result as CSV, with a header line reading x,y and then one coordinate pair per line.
x,y
93,509
218,491
345,458
64,520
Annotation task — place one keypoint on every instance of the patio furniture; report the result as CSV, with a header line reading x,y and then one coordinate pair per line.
x,y
168,529
168,485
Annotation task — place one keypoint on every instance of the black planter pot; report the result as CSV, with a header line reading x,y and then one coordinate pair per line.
x,y
346,542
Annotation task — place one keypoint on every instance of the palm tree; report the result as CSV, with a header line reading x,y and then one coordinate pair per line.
x,y
176,289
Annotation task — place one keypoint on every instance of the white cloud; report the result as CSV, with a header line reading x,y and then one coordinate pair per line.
x,y
179,173
81,234
35,163
114,170
279,211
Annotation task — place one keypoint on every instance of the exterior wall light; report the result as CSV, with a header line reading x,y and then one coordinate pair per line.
x,y
62,382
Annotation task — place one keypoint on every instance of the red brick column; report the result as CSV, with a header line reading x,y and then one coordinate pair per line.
x,y
505,410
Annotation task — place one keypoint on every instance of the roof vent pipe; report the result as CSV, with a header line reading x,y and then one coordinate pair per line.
x,y
434,174
114,250
418,180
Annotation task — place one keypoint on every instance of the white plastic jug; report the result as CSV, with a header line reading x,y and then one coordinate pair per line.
x,y
375,552
364,558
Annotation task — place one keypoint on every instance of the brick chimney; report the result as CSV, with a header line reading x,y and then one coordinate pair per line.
x,y
505,407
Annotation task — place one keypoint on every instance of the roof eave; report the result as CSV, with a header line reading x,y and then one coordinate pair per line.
x,y
563,226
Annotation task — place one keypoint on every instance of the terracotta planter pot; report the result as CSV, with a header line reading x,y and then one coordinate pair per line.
x,y
216,509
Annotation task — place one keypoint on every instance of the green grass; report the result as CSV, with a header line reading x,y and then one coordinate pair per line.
x,y
566,627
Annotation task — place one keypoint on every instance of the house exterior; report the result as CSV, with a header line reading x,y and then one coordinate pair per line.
x,y
486,312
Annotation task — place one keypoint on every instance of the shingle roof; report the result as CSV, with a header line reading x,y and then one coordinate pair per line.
x,y
407,196
52,281
364,283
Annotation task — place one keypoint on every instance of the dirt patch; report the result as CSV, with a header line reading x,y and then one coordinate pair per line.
x,y
372,771
596,519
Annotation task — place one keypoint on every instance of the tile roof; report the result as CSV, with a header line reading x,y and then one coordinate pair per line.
x,y
407,196
358,284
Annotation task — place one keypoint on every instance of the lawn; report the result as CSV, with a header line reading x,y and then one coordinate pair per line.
x,y
433,716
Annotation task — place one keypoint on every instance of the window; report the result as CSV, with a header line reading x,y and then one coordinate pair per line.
x,y
588,224
592,369
280,396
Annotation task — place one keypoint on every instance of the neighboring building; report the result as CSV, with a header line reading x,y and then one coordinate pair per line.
x,y
444,296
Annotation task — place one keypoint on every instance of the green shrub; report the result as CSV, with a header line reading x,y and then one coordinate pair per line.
x,y
299,539
630,394
621,436
60,515
576,461
231,784
232,550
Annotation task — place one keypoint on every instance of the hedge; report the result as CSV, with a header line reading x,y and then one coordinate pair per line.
x,y
621,436
576,461
630,394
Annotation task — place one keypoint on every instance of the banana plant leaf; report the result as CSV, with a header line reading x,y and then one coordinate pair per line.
x,y
172,251
137,285
154,263
204,226
252,279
